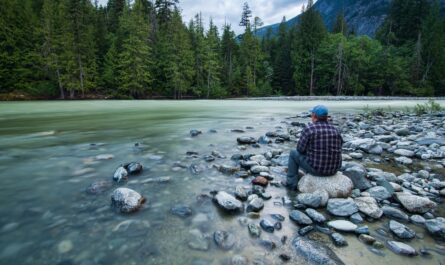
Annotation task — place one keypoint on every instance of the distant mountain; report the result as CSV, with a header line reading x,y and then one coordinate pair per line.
x,y
364,16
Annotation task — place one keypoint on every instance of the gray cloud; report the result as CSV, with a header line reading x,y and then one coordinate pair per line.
x,y
229,11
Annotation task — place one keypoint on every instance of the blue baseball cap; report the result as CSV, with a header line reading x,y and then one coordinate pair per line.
x,y
319,111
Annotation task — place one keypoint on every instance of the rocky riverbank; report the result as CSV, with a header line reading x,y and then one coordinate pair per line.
x,y
390,178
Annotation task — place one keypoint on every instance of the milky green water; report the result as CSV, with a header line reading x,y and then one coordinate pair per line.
x,y
47,161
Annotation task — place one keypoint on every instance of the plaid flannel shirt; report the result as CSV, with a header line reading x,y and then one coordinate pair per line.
x,y
321,142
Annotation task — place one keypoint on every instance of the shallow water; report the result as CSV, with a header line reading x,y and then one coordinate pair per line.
x,y
47,160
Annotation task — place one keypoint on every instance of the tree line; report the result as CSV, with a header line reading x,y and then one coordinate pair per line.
x,y
143,49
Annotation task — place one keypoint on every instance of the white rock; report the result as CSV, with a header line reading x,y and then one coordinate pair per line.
x,y
343,225
337,186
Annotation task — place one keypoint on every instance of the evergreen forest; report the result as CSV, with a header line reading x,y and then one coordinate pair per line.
x,y
140,49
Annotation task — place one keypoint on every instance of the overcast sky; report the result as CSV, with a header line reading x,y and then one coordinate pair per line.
x,y
270,11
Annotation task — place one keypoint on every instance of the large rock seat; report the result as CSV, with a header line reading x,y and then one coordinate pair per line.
x,y
337,186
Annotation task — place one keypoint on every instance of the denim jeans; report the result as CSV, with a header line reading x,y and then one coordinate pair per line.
x,y
297,160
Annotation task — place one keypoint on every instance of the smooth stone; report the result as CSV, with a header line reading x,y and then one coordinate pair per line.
x,y
264,140
362,230
267,225
367,239
415,204
197,240
262,181
224,239
342,207
305,230
342,225
417,219
126,200
284,257
259,169
119,174
395,213
300,217
241,193
314,253
254,230
339,240
368,206
194,133
228,202
358,177
246,140
278,217
255,205
436,226
310,199
401,230
133,168
356,155
379,193
181,210
239,260
337,186
65,246
315,216
99,187
401,248
356,218
267,244
404,160
228,170
404,152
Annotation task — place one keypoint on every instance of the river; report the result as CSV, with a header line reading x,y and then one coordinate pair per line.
x,y
50,152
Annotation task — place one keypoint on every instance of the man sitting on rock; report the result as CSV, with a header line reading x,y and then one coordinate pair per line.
x,y
318,151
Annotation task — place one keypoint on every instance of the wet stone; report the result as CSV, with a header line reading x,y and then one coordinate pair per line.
x,y
241,193
197,240
362,230
239,260
415,204
278,217
267,244
379,193
254,230
99,187
246,140
134,168
342,225
267,225
181,210
224,239
120,174
401,230
417,219
194,133
367,239
339,240
284,257
305,230
126,200
314,252
401,248
342,207
300,217
315,216
228,202
436,226
255,205
356,218
262,181
395,213
310,199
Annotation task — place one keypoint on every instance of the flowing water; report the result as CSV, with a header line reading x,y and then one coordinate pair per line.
x,y
50,152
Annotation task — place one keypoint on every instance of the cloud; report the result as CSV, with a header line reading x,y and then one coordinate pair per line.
x,y
229,11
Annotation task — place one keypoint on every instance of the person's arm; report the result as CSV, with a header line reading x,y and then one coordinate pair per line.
x,y
303,143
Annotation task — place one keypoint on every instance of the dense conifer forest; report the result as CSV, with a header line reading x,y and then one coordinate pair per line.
x,y
71,49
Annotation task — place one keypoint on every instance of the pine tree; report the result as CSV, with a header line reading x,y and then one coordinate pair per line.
x,y
283,69
340,25
246,15
212,65
310,33
134,60
229,51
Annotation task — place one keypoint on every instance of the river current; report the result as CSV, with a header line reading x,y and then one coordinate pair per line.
x,y
50,152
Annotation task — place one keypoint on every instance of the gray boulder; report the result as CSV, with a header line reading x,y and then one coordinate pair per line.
x,y
315,216
313,200
342,207
126,200
337,186
227,201
415,204
369,206
255,205
314,253
404,152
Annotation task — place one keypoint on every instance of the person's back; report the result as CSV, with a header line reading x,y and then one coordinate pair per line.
x,y
319,149
322,142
